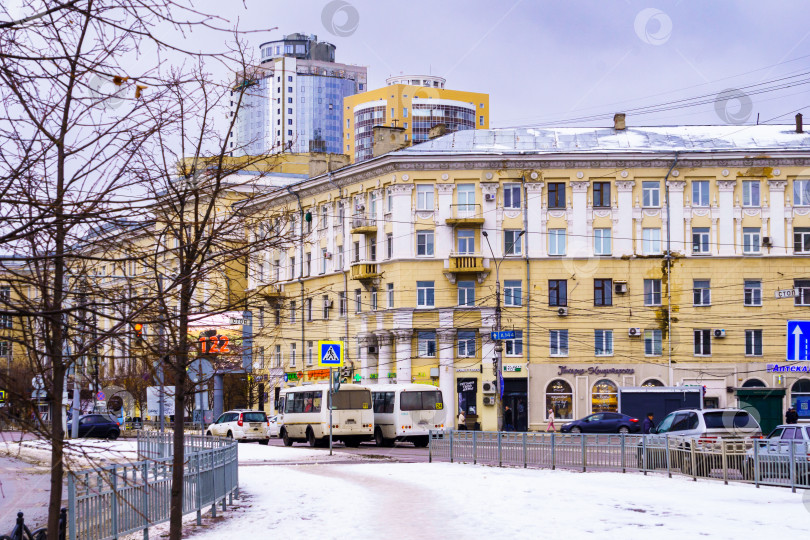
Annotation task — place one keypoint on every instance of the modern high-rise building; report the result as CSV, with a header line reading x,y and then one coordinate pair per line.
x,y
294,98
415,103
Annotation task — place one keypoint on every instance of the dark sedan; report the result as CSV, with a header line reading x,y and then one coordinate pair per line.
x,y
607,422
96,425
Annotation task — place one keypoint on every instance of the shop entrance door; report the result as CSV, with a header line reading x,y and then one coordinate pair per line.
x,y
515,393
764,404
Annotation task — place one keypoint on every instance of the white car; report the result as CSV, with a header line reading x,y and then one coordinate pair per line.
x,y
272,426
242,425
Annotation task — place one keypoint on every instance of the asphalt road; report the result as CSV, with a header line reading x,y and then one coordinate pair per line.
x,y
404,452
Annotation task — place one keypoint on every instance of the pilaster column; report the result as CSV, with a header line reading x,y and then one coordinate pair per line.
x,y
578,232
776,189
447,371
384,356
490,217
534,204
676,214
726,219
624,234
365,340
404,338
401,220
487,354
445,243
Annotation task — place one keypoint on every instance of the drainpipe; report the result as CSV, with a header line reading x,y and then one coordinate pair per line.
x,y
528,335
669,277
343,270
301,273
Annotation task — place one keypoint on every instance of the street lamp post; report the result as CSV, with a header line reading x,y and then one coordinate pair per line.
x,y
498,366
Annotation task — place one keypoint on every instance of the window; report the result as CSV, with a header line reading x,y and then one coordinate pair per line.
x,y
325,302
358,300
466,242
700,240
750,192
277,316
801,192
652,342
342,303
601,194
603,342
557,292
424,294
293,356
426,343
603,292
404,112
651,241
558,342
261,358
424,197
703,342
514,347
356,246
604,396
481,120
753,343
260,317
292,311
465,197
5,349
390,295
513,242
751,241
277,358
6,322
292,267
752,292
651,194
601,241
323,260
556,195
701,293
512,293
803,298
424,243
374,298
556,241
324,217
383,402
389,200
652,292
372,250
560,399
429,400
389,246
466,343
801,240
466,293
511,196
700,193
309,309
308,264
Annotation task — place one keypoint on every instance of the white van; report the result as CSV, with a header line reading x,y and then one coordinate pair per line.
x,y
303,415
407,412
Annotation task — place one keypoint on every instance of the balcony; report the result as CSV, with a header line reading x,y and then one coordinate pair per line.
x,y
465,214
466,263
270,292
363,224
363,271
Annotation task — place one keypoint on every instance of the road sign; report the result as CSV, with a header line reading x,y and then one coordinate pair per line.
x,y
786,293
504,334
200,370
100,396
798,340
2,396
330,353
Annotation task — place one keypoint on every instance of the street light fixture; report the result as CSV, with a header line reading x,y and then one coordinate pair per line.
x,y
498,345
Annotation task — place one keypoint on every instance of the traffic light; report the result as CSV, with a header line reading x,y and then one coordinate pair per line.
x,y
138,329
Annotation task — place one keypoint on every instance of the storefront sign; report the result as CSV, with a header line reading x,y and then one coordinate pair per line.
x,y
595,370
466,386
512,368
469,370
318,374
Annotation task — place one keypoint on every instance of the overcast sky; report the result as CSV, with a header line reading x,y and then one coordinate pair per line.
x,y
553,62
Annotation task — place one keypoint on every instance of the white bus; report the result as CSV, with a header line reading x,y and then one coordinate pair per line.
x,y
303,415
406,412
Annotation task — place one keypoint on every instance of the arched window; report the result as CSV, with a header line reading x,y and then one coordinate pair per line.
x,y
605,396
652,382
560,399
753,383
800,398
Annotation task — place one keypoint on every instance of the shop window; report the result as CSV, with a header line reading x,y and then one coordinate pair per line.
x,y
652,382
605,396
800,398
560,399
467,396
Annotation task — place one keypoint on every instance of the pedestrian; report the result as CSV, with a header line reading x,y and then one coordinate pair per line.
x,y
462,420
508,419
550,426
791,416
647,424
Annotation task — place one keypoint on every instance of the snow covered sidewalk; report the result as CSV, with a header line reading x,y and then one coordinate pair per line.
x,y
421,500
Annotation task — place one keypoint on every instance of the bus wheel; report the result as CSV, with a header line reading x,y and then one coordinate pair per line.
x,y
421,442
351,443
313,442
379,440
286,438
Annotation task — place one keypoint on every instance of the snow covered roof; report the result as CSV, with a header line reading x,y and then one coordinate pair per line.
x,y
572,140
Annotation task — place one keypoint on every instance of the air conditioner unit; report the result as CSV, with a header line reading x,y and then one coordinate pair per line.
x,y
489,197
719,332
489,387
372,349
327,255
562,312
634,332
489,400
360,207
620,287
327,303
766,241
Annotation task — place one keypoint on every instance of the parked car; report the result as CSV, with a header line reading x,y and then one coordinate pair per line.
x,y
272,426
242,425
704,429
773,454
98,426
605,422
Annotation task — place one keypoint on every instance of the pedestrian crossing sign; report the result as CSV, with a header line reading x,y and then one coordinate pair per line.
x,y
330,353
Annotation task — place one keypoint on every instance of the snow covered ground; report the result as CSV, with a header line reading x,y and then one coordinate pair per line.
x,y
252,453
81,452
421,500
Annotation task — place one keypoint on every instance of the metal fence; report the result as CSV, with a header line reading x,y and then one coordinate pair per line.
x,y
110,502
759,461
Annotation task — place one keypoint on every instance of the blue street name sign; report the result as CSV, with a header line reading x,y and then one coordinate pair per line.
x,y
503,334
798,340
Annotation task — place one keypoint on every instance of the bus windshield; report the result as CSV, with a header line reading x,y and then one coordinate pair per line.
x,y
352,399
429,400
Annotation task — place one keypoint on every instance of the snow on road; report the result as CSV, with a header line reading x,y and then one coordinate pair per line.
x,y
250,453
441,500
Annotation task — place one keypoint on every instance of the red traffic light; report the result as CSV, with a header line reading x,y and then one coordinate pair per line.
x,y
138,327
